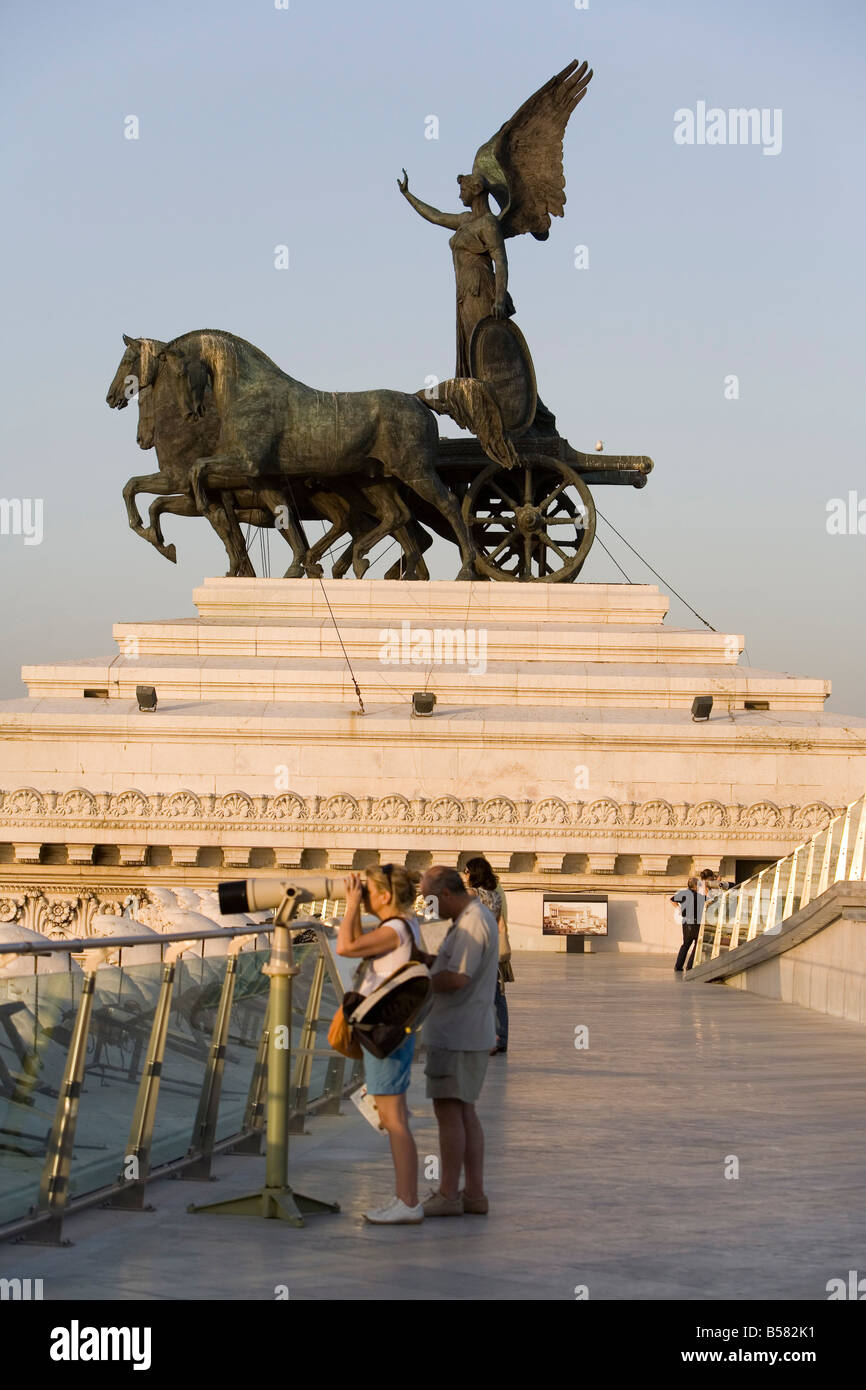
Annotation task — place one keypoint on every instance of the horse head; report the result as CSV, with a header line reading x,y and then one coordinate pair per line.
x,y
190,376
134,378
136,370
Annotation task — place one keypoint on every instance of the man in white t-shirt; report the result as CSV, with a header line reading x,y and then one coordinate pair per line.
x,y
459,1033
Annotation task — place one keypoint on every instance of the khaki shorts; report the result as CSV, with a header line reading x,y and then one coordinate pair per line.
x,y
455,1075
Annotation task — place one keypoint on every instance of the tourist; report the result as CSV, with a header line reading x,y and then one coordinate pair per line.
x,y
459,1033
712,885
388,893
480,879
690,901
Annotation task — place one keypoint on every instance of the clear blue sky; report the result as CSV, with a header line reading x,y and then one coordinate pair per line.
x,y
260,126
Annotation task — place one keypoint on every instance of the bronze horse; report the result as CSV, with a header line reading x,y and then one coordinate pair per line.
x,y
360,508
274,427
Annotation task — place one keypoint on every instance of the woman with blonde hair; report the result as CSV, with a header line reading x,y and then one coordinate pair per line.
x,y
388,892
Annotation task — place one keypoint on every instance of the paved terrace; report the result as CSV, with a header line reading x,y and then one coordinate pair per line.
x,y
606,1167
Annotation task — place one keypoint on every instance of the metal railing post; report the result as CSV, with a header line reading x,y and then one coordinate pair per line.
x,y
824,880
791,891
304,1059
205,1125
54,1184
770,924
806,895
841,872
738,917
856,868
757,903
716,947
253,1126
130,1197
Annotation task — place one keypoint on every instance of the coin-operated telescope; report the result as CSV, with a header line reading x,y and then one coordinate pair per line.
x,y
262,893
276,1200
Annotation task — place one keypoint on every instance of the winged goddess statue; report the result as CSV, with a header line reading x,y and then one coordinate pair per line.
x,y
521,166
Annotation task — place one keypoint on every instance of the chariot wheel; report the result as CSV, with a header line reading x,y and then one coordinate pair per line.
x,y
534,523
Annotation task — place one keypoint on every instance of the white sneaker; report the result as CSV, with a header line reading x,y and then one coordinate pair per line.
x,y
395,1213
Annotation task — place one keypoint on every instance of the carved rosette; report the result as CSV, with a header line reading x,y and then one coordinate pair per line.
x,y
11,909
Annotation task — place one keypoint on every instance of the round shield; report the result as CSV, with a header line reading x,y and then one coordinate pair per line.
x,y
499,357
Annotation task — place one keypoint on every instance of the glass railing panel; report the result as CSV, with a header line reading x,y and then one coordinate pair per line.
x,y
836,828
194,1005
124,1002
246,1021
796,890
323,1054
778,880
306,954
37,1012
817,857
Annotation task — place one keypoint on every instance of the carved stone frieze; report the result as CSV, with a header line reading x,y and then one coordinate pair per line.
x,y
25,808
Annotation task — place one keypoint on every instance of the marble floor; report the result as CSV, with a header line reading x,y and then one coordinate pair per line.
x,y
610,1168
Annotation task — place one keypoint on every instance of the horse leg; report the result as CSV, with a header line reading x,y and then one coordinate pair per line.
x,y
176,506
392,512
336,510
220,518
223,473
146,482
413,539
425,481
223,519
289,528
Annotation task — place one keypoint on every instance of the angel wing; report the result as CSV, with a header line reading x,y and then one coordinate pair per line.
x,y
523,161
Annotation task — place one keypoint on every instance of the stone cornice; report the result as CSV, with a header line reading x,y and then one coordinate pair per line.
x,y
470,727
27,812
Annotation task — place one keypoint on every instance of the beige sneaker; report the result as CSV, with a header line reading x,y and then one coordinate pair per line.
x,y
475,1206
437,1205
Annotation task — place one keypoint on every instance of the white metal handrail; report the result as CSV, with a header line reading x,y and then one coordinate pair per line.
x,y
760,904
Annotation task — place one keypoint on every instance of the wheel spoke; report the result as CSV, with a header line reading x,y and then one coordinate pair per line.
x,y
551,543
509,501
527,485
550,496
507,540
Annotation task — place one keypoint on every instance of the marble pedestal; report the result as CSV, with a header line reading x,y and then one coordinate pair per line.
x,y
561,746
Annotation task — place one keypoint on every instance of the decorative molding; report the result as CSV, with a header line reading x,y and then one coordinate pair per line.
x,y
61,913
26,809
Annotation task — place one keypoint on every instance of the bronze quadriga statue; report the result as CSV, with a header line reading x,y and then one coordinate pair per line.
x,y
241,442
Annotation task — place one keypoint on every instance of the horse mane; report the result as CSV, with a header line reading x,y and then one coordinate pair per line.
x,y
224,349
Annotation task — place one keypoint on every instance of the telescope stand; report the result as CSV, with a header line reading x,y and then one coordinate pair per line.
x,y
276,1200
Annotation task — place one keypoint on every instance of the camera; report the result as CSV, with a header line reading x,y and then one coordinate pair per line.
x,y
262,894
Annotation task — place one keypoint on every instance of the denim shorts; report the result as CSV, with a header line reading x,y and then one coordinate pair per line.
x,y
390,1076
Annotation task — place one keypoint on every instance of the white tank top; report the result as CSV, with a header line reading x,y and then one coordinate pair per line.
x,y
380,967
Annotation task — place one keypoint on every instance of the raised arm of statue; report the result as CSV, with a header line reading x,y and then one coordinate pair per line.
x,y
451,220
